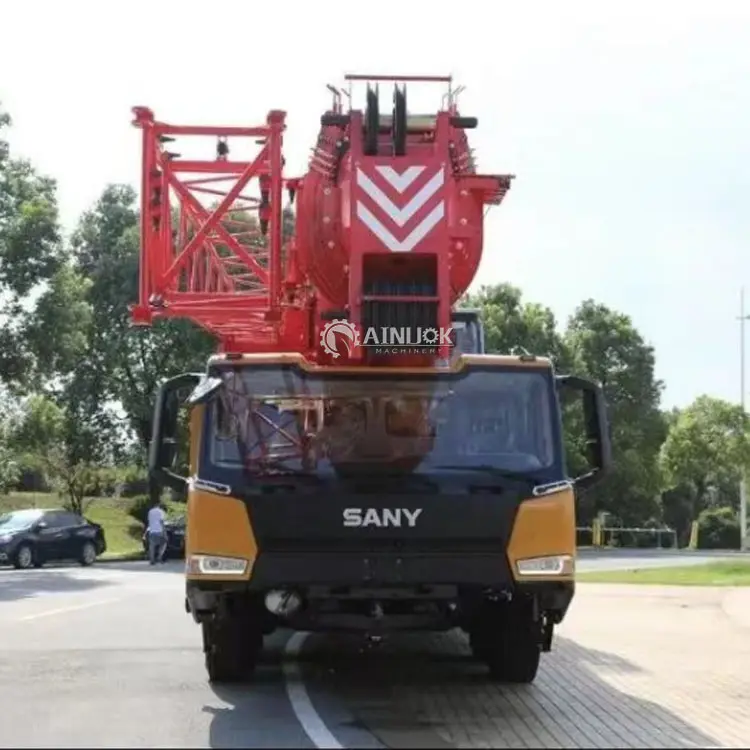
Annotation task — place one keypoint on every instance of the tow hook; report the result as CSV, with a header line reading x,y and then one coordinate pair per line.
x,y
372,640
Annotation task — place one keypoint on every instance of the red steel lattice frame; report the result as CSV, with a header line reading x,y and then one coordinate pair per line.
x,y
218,269
226,267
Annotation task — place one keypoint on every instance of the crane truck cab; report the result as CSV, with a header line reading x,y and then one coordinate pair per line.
x,y
468,331
324,498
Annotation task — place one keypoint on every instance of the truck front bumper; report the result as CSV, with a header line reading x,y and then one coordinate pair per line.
x,y
348,583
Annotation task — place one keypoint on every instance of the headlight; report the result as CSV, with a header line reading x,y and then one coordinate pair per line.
x,y
554,565
5,538
215,565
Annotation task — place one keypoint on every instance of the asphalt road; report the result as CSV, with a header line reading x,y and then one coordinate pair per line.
x,y
107,657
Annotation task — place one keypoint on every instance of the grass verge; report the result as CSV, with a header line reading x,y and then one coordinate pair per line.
x,y
122,531
719,573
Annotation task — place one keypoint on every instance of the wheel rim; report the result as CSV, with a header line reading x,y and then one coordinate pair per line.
x,y
89,553
24,557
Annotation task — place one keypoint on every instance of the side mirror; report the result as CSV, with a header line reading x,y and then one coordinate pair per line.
x,y
205,391
163,446
596,427
40,526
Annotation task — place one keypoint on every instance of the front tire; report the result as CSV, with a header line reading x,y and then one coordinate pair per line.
x,y
478,647
232,646
508,640
24,557
88,554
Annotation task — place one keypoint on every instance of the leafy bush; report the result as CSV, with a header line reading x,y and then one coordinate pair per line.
x,y
134,481
139,508
10,467
653,540
634,539
31,478
718,528
584,537
103,482
10,470
643,539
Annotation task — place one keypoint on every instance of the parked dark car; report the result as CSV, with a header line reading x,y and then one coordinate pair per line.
x,y
175,539
30,538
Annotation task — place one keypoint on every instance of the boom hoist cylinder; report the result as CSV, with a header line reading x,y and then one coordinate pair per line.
x,y
388,232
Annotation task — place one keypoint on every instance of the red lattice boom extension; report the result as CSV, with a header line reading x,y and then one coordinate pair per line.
x,y
219,260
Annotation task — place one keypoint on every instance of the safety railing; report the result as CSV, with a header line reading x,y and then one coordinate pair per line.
x,y
599,535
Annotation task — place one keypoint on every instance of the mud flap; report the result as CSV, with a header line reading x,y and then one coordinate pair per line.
x,y
547,631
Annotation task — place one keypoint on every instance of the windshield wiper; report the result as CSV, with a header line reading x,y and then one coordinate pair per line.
x,y
495,471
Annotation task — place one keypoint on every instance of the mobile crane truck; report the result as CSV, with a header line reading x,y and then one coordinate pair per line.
x,y
357,461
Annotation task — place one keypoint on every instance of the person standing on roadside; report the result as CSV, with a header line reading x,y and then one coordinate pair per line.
x,y
157,539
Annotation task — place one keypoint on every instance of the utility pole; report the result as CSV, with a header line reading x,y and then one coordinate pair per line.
x,y
743,480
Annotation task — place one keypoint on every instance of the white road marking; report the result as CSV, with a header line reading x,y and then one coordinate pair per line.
x,y
65,610
302,706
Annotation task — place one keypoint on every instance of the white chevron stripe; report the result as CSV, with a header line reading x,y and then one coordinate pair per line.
x,y
408,243
400,182
401,215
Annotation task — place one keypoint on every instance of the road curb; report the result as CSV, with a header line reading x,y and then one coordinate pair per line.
x,y
123,558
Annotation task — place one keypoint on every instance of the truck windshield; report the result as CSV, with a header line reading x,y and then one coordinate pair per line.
x,y
271,420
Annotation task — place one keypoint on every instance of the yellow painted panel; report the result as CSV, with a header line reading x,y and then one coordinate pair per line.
x,y
219,525
544,526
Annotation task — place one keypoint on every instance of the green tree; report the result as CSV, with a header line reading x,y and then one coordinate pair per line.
x,y
30,250
510,323
56,442
67,370
132,361
702,459
604,345
10,466
58,331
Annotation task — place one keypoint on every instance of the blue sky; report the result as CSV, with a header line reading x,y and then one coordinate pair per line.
x,y
627,125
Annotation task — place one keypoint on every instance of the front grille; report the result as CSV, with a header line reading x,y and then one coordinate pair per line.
x,y
339,545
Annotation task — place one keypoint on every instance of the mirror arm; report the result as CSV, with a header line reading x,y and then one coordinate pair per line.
x,y
169,478
588,479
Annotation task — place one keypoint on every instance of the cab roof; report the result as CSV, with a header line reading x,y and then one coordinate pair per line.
x,y
294,358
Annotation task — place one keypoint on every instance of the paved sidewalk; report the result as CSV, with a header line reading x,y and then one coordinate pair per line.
x,y
736,604
633,667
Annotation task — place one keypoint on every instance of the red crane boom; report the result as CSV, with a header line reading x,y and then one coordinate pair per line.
x,y
388,230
